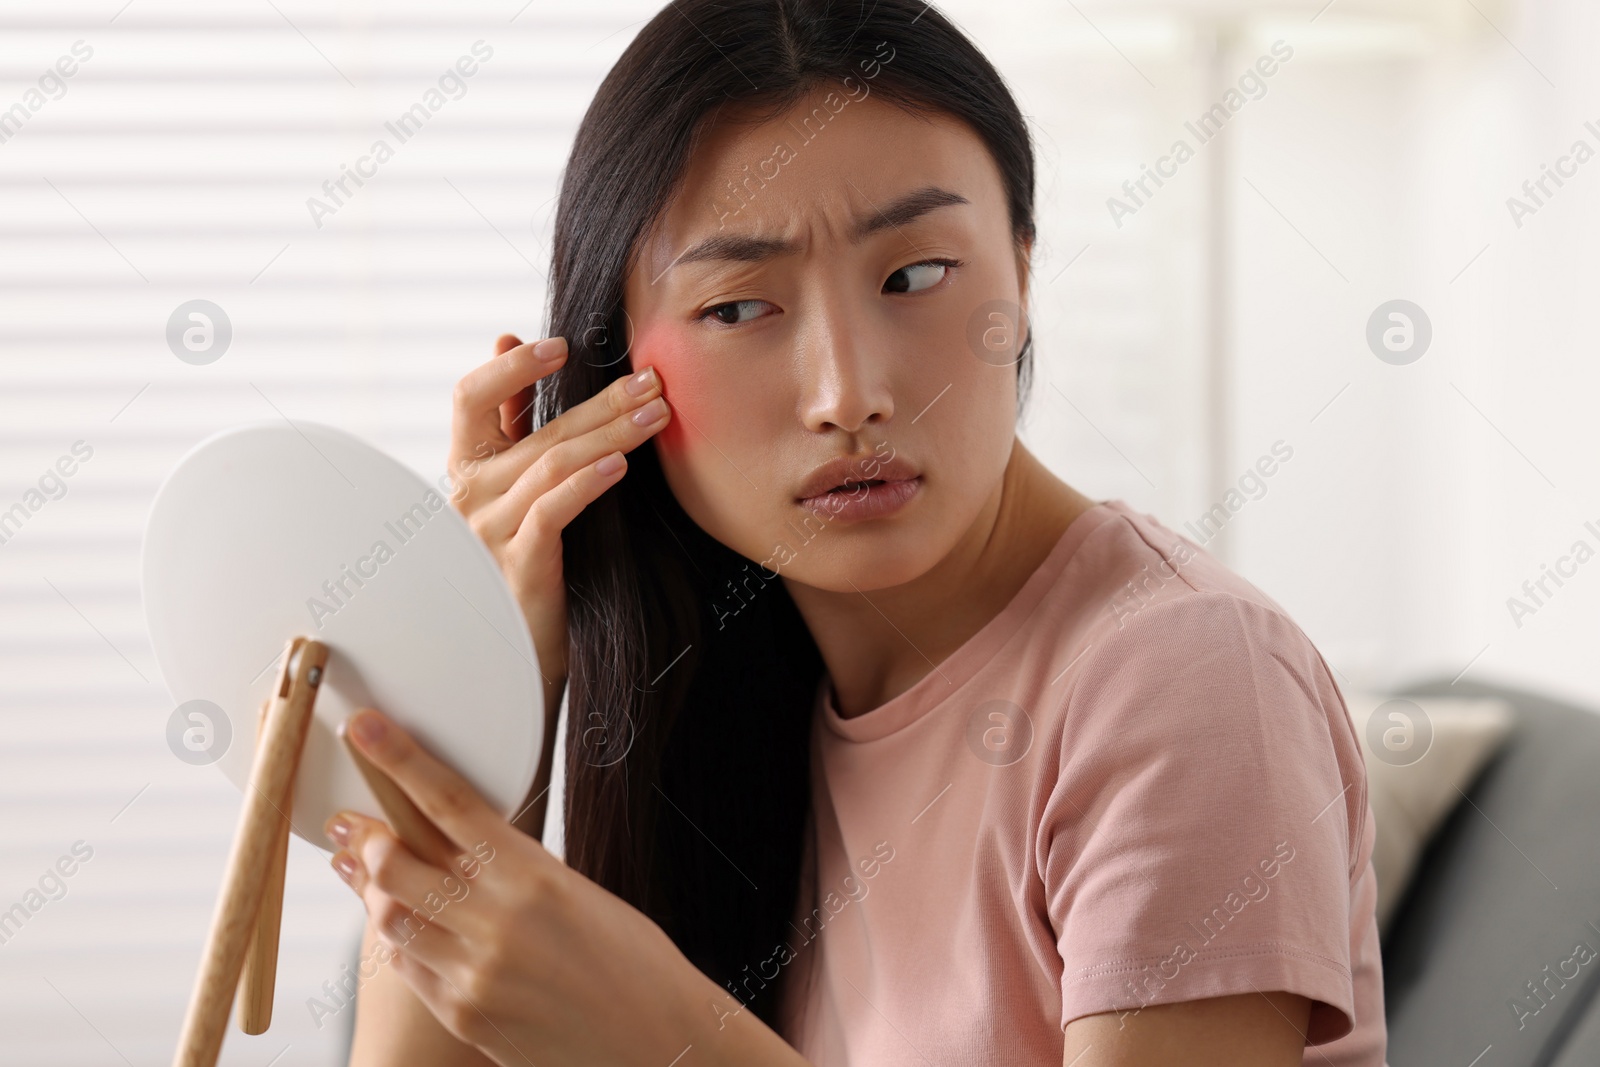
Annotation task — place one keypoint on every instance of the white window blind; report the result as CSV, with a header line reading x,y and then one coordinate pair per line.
x,y
175,164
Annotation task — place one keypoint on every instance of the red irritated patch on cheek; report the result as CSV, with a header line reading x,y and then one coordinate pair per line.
x,y
686,385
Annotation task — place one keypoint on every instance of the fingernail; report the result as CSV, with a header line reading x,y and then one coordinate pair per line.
x,y
641,383
548,348
338,828
345,864
369,727
651,412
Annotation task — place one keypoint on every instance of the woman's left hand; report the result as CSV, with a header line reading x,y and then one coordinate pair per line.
x,y
520,955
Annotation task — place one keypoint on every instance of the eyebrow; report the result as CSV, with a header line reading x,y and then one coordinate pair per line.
x,y
749,249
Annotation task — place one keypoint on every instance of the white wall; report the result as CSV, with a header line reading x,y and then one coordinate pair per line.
x,y
1376,166
1431,491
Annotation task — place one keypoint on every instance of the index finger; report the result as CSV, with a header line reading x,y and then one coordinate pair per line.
x,y
476,415
516,414
448,800
419,833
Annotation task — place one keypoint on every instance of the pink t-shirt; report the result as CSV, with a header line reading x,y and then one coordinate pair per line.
x,y
1136,784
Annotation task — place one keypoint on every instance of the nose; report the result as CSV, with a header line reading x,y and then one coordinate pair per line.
x,y
844,380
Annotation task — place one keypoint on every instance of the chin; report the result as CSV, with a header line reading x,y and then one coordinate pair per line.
x,y
856,559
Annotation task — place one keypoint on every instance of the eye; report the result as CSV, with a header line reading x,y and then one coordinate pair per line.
x,y
721,311
924,271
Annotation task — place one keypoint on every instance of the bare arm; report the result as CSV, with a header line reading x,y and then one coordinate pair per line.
x,y
1245,1030
394,1027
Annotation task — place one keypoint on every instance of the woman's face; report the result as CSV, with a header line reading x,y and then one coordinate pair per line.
x,y
851,345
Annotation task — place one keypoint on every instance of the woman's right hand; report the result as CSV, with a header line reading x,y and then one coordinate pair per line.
x,y
519,489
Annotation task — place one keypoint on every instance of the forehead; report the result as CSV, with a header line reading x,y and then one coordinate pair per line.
x,y
812,171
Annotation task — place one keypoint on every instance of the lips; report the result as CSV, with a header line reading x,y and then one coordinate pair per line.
x,y
846,472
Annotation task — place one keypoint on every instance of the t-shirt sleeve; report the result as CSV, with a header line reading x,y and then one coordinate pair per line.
x,y
1200,835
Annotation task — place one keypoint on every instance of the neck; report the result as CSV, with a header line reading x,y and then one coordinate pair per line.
x,y
878,645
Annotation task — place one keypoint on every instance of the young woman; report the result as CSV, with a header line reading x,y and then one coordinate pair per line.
x,y
884,745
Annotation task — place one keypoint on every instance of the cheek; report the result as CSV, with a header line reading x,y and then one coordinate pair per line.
x,y
698,408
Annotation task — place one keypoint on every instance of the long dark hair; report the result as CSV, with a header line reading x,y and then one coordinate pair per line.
x,y
692,676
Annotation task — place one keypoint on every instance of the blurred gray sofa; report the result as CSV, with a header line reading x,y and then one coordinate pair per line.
x,y
1493,956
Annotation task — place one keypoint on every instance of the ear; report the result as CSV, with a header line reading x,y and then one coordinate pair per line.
x,y
1024,263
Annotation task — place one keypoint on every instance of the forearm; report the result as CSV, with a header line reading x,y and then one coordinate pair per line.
x,y
747,1040
725,1034
394,1028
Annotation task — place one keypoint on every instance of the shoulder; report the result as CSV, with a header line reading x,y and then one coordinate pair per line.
x,y
1210,629
1132,562
1205,666
1156,652
1194,682
1139,597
